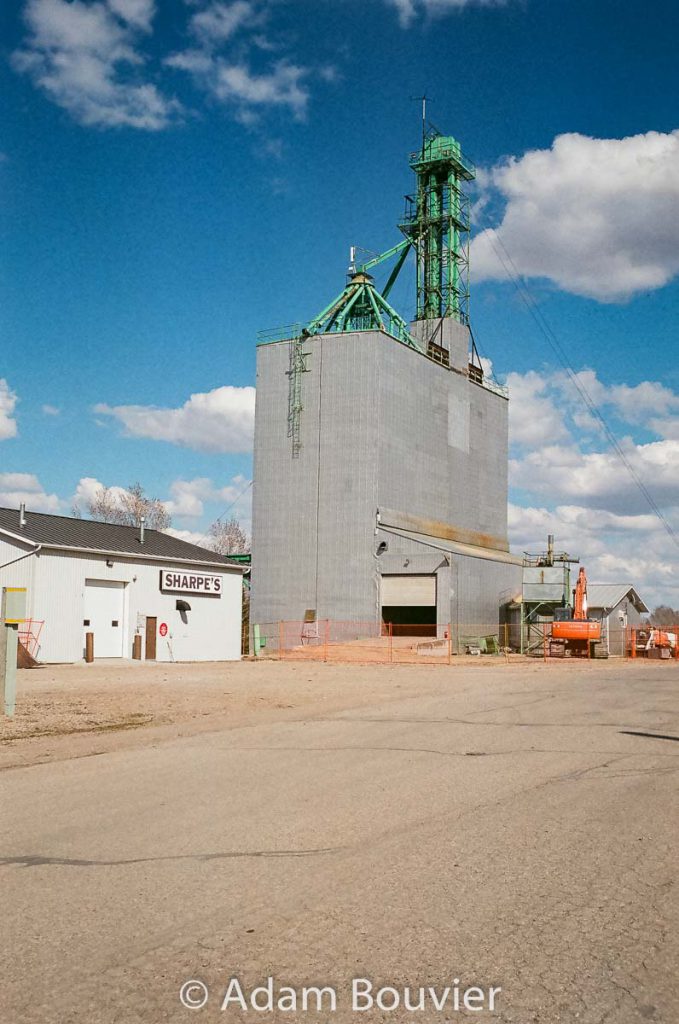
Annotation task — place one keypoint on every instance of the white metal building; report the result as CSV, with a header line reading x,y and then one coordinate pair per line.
x,y
618,605
118,582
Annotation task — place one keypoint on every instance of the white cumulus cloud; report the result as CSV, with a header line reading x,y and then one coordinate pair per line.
x,y
86,58
230,75
408,10
533,413
218,22
16,488
96,59
189,496
599,479
214,421
283,86
89,488
8,401
567,479
190,500
190,536
598,217
614,548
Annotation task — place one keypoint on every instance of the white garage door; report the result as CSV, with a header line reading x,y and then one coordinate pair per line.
x,y
408,591
104,616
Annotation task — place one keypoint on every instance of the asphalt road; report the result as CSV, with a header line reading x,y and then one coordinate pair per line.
x,y
506,832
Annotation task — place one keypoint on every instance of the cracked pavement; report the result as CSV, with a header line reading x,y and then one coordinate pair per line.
x,y
513,828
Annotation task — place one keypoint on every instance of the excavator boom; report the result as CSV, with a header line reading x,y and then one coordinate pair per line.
x,y
580,597
577,633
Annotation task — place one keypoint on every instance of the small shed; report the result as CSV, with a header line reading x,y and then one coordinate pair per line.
x,y
618,606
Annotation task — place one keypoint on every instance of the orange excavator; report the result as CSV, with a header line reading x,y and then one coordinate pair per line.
x,y
575,630
650,642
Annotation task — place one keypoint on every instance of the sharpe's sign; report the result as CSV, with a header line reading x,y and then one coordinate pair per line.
x,y
190,582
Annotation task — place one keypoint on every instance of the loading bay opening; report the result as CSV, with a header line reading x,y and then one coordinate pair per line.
x,y
408,602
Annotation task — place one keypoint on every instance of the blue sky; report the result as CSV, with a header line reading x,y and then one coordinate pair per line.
x,y
177,176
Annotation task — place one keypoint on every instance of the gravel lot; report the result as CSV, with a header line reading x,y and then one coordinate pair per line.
x,y
74,710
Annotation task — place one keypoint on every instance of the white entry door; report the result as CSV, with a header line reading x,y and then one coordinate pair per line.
x,y
104,603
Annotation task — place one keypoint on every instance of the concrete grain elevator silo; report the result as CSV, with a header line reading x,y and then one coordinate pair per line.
x,y
380,461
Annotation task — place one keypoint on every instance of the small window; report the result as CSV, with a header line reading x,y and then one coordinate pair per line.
x,y
86,622
114,622
438,354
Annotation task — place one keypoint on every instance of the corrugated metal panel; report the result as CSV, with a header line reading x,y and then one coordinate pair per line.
x,y
374,433
408,591
535,592
545,574
68,532
608,595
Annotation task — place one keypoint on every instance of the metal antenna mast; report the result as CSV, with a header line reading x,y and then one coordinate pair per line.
x,y
423,100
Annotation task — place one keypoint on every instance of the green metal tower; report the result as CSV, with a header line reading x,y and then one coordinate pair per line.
x,y
437,221
436,226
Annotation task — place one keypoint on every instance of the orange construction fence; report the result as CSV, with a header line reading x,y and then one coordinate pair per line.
x,y
654,642
29,635
379,643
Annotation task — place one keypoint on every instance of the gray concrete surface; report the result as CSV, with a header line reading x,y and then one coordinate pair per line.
x,y
505,832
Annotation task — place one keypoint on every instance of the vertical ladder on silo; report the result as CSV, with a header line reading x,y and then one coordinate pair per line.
x,y
298,366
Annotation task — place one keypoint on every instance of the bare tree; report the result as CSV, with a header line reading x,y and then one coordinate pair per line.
x,y
104,507
126,508
227,537
136,504
664,615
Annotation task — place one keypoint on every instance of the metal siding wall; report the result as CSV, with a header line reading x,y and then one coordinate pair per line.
x,y
213,631
21,574
382,437
348,587
478,587
285,491
422,407
316,511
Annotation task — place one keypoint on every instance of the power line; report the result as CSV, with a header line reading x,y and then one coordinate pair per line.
x,y
543,325
226,510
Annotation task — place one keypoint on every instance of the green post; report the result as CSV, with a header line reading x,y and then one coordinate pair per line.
x,y
521,621
12,612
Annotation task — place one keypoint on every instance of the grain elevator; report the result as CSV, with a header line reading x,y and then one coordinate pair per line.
x,y
381,449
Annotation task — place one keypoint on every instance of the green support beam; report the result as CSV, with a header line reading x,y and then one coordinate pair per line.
x,y
360,307
436,225
436,222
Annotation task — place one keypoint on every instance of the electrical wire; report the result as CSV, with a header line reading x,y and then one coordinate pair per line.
x,y
225,512
543,325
